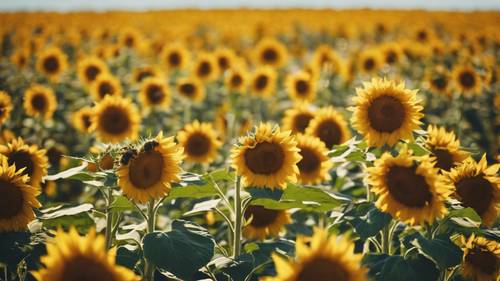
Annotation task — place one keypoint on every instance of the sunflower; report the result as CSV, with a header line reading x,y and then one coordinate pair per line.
x,y
263,222
21,57
439,81
392,53
325,58
191,89
271,52
200,142
301,87
143,72
39,101
466,80
266,158
236,80
205,67
315,165
386,112
297,119
74,257
105,85
30,157
263,81
147,173
82,119
154,93
444,147
369,61
5,106
175,57
329,126
481,260
89,68
225,58
130,38
115,119
408,187
52,62
423,35
320,258
477,186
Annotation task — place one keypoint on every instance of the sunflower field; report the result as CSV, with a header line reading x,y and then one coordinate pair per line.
x,y
250,145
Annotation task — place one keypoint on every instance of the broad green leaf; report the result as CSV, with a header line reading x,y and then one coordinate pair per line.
x,y
203,207
77,216
72,173
441,250
366,219
121,203
417,149
382,267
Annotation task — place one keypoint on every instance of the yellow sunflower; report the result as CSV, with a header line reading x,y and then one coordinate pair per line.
x,y
205,67
263,81
392,53
315,164
175,57
262,222
115,119
143,72
17,198
477,186
225,58
481,260
74,257
236,80
39,101
105,85
21,57
130,38
5,106
326,59
439,81
408,187
154,93
444,147
191,88
466,80
147,173
301,87
52,62
329,126
82,119
369,61
199,141
89,68
271,52
386,112
320,258
30,157
266,158
297,119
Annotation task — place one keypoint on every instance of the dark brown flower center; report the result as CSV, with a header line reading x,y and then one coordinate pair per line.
x,y
422,36
467,79
187,89
223,62
407,187
302,87
476,193
39,102
51,64
174,59
143,75
236,80
198,144
391,57
322,269
444,159
129,41
439,82
310,161
87,121
265,158
105,88
484,260
270,55
91,72
83,268
329,132
369,64
22,159
155,94
261,217
11,200
204,69
114,120
261,82
301,121
54,155
145,170
386,114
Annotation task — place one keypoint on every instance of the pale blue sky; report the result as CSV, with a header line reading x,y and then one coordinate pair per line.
x,y
101,5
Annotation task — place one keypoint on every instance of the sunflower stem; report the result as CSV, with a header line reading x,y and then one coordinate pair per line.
x,y
151,216
109,219
386,246
237,218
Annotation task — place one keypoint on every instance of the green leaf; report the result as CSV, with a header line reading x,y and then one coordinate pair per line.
x,y
192,186
11,244
203,207
72,173
181,251
77,216
441,250
366,219
417,149
121,203
219,175
382,267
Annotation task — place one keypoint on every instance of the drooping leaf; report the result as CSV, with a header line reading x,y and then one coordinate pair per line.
x,y
440,249
60,216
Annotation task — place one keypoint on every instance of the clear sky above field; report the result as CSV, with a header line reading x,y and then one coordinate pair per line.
x,y
100,5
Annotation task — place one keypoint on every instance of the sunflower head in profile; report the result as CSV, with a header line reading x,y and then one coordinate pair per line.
x,y
271,52
89,68
191,89
315,164
236,80
74,257
175,57
143,72
320,258
199,141
477,186
205,67
297,119
40,101
267,157
326,59
386,112
392,53
30,157
225,58
466,80
52,62
105,85
147,172
21,57
130,38
17,197
5,106
115,119
263,82
439,81
369,61
444,147
329,126
409,188
481,260
82,119
154,93
301,87
262,223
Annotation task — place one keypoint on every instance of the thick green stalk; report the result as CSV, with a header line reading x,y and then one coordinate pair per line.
x,y
151,214
109,219
238,217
